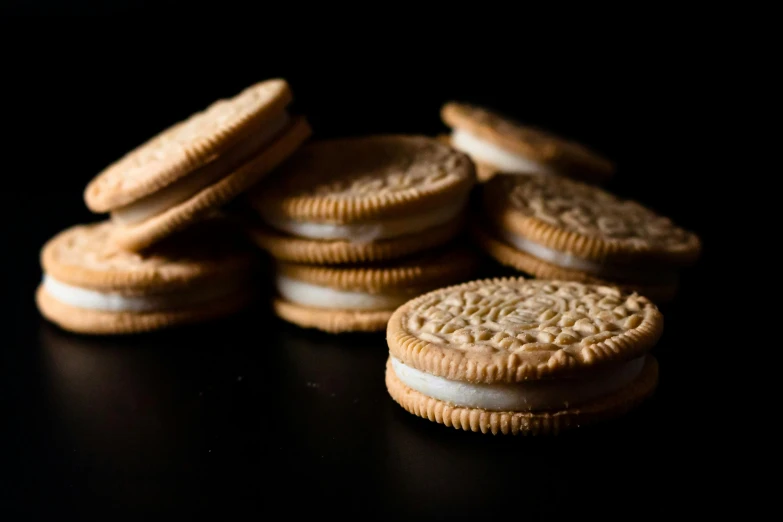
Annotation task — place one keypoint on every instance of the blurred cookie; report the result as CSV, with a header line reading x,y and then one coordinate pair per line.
x,y
89,286
363,199
555,228
517,356
362,298
497,143
197,165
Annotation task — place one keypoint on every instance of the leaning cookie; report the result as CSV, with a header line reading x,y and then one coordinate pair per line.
x,y
517,356
197,165
497,143
362,298
91,287
363,200
555,228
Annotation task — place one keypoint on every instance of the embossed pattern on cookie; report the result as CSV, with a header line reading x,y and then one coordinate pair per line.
x,y
517,356
510,330
583,220
350,180
185,146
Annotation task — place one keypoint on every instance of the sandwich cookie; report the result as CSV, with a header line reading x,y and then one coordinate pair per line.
x,y
91,287
197,165
363,199
351,299
497,143
555,228
517,356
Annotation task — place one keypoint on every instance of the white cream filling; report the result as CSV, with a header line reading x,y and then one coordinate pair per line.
x,y
556,257
529,396
115,302
566,260
308,294
484,151
370,231
193,183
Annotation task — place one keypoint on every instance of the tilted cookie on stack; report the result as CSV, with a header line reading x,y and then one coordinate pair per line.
x,y
497,143
91,287
359,225
556,228
198,165
154,263
516,356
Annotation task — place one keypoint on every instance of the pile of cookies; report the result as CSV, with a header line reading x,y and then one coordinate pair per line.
x,y
385,234
359,226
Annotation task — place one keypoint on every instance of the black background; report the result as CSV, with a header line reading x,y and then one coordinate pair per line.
x,y
254,416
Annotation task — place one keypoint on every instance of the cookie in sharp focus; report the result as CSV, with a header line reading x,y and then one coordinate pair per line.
x,y
363,199
498,143
558,228
362,298
197,165
516,356
91,287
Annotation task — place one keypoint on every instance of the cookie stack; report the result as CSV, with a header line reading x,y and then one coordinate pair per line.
x,y
358,226
556,228
166,255
498,143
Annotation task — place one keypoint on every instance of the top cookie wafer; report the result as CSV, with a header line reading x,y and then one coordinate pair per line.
x,y
585,220
513,330
568,157
185,146
355,179
83,256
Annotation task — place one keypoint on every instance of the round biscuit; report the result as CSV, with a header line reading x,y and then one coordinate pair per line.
x,y
566,157
145,234
514,329
585,221
186,146
85,256
358,179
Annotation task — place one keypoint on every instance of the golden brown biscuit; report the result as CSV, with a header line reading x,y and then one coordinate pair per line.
x,y
559,228
505,145
198,165
522,356
187,146
370,198
140,235
89,286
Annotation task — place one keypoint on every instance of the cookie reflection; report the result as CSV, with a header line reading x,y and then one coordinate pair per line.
x,y
436,469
